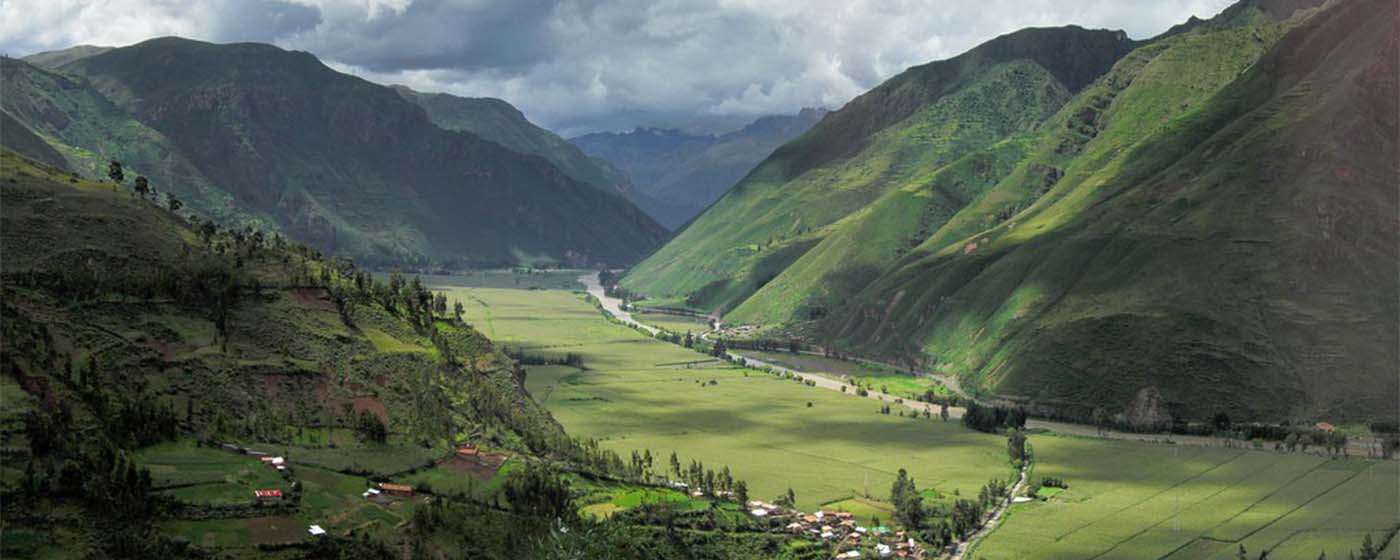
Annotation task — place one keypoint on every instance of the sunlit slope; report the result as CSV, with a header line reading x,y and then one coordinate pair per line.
x,y
895,135
1233,250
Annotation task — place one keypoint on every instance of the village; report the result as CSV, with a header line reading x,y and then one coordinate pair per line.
x,y
848,538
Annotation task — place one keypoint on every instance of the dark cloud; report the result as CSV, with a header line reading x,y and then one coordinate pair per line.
x,y
584,65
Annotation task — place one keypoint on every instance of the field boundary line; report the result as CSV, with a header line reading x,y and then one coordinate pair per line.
x,y
1195,503
1150,497
1299,506
1280,488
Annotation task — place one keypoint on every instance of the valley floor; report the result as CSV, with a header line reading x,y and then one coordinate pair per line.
x,y
1127,499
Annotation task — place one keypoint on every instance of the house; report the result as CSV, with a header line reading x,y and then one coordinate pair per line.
x,y
371,493
810,519
268,496
1326,427
396,489
278,463
759,512
794,527
316,531
467,451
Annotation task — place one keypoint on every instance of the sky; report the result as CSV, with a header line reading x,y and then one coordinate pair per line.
x,y
579,66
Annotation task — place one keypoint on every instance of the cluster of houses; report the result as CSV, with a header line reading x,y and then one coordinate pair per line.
x,y
841,528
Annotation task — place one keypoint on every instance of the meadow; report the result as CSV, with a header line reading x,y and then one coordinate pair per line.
x,y
1126,499
630,396
674,323
874,377
1140,500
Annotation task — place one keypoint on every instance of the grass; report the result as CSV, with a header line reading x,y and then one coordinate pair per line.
x,y
870,376
203,475
865,510
1140,500
674,323
756,424
383,342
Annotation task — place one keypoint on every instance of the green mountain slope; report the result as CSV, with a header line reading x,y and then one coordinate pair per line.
x,y
500,122
892,137
1124,248
677,174
129,333
351,166
89,131
1171,267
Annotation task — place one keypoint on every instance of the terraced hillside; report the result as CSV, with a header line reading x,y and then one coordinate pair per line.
x,y
280,140
1129,250
126,327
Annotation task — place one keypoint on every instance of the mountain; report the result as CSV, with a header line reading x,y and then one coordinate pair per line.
x,y
175,389
500,122
1124,246
133,335
347,165
892,136
680,173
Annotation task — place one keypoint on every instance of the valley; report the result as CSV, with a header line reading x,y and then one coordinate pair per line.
x,y
502,280
1129,496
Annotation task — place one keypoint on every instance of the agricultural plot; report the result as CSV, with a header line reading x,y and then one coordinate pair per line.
x,y
566,280
202,475
1139,500
674,323
758,425
875,377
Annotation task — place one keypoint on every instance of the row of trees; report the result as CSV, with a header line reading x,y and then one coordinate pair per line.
x,y
992,419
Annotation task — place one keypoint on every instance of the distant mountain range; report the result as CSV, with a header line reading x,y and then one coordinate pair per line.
x,y
677,174
250,133
1199,223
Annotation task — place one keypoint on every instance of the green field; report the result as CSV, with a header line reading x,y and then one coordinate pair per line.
x,y
674,323
521,279
1140,500
758,425
879,378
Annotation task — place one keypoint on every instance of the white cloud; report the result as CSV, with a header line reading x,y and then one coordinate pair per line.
x,y
579,65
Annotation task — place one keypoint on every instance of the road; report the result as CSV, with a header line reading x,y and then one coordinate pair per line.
x,y
611,304
991,524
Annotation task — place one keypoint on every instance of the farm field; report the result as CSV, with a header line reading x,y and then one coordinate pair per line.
x,y
880,378
674,323
1140,500
629,398
562,279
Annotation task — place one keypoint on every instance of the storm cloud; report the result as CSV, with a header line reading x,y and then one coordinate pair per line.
x,y
585,65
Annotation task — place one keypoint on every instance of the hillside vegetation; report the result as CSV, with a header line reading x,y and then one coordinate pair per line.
x,y
1122,245
275,139
500,122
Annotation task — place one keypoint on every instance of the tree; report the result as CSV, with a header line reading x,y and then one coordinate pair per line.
x,y
1242,554
458,309
908,503
172,203
689,340
370,428
943,411
675,464
788,499
1016,445
114,172
537,490
1368,548
142,186
741,492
